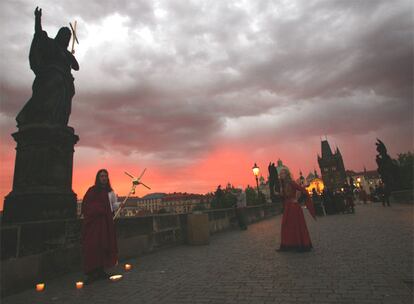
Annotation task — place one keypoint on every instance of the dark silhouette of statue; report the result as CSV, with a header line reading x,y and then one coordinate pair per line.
x,y
387,169
53,86
271,181
274,183
42,182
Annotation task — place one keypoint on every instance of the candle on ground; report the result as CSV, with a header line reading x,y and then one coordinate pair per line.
x,y
40,287
116,277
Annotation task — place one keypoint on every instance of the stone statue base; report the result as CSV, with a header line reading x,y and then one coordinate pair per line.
x,y
42,184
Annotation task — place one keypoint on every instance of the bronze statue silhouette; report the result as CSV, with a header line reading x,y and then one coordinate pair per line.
x,y
274,184
387,169
53,86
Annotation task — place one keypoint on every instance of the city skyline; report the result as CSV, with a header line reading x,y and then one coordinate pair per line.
x,y
199,92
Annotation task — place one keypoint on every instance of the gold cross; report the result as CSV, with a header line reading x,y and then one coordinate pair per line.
x,y
74,36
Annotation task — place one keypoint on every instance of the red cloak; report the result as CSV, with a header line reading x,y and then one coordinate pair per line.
x,y
99,246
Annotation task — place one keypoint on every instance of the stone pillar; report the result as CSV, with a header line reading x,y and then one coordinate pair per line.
x,y
198,229
42,184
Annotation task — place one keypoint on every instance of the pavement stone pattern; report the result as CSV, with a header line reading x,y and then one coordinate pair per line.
x,y
366,257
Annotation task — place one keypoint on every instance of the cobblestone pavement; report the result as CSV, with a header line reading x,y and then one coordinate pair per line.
x,y
365,257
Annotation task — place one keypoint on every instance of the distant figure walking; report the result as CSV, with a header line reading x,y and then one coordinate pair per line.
x,y
99,245
384,194
363,196
349,198
241,209
294,233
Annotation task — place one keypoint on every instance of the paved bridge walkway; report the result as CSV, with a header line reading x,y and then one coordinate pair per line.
x,y
365,257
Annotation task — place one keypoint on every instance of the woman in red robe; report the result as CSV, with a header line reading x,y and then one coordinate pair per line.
x,y
99,246
294,234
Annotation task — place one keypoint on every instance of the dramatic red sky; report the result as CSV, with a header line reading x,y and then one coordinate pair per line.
x,y
198,91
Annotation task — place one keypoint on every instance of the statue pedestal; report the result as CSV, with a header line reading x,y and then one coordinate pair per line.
x,y
42,184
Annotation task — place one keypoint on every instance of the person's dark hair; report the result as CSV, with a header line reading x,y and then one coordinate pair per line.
x,y
98,183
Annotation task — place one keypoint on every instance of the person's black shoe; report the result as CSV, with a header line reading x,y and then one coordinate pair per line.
x,y
90,279
103,275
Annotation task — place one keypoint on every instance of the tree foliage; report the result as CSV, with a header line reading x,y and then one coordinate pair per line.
x,y
224,198
406,170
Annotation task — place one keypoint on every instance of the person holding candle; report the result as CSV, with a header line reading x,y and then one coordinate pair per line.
x,y
99,244
294,232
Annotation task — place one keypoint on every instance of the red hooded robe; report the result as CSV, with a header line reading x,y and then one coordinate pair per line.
x,y
99,246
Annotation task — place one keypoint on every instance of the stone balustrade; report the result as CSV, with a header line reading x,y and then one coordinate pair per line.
x,y
35,251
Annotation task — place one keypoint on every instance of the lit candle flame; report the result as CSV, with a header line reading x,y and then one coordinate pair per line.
x,y
115,277
40,287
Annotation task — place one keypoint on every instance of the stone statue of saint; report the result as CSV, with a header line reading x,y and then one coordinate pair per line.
x,y
276,179
387,168
274,183
53,86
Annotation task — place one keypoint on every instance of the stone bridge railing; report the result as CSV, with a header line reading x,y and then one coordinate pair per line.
x,y
38,251
403,196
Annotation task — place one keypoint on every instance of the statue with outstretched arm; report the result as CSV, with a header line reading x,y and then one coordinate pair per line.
x,y
53,87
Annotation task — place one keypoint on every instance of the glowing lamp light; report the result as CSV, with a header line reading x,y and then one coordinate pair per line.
x,y
40,287
256,170
358,179
128,267
115,277
79,285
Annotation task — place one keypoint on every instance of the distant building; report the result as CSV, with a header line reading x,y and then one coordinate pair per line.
x,y
264,188
185,202
301,180
160,203
165,203
312,181
147,204
332,167
78,207
309,178
367,180
316,184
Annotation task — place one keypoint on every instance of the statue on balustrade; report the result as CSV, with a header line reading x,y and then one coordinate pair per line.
x,y
42,182
387,169
274,184
53,86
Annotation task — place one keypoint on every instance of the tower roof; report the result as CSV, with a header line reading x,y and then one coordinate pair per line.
x,y
337,151
326,149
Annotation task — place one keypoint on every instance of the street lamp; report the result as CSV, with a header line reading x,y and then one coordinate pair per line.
x,y
256,171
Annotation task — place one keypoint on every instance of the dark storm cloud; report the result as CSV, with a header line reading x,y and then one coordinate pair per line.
x,y
178,78
342,51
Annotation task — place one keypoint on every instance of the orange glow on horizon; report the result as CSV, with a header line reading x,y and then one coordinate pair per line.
x,y
230,163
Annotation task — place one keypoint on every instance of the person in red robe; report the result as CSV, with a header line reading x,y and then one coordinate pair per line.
x,y
99,245
294,233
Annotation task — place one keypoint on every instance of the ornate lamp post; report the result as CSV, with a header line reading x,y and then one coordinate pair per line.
x,y
256,171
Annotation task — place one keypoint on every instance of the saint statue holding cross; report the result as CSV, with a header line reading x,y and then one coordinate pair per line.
x,y
53,87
